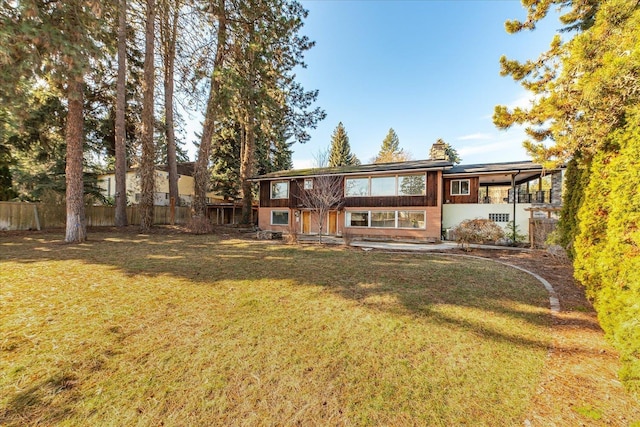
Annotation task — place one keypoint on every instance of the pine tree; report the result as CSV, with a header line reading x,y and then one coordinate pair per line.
x,y
147,163
451,153
56,42
585,109
390,150
120,120
201,174
340,152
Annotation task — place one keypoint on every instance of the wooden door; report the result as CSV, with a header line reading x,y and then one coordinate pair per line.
x,y
306,222
333,223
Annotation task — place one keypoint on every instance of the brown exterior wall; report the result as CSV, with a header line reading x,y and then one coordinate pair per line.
x,y
474,183
382,202
265,195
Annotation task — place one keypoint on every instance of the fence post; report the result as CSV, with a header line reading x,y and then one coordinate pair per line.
x,y
37,218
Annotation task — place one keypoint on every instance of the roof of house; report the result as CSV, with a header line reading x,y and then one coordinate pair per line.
x,y
370,168
521,166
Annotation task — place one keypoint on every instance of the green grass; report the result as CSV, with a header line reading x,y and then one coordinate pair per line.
x,y
198,330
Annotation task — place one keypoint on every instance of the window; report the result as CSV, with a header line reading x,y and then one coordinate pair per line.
x,y
383,186
402,185
357,219
499,217
411,219
308,184
356,187
279,217
387,219
280,190
383,219
412,185
460,187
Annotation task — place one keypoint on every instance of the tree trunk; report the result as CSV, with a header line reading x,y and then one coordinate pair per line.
x,y
120,128
168,33
246,167
201,174
76,223
147,172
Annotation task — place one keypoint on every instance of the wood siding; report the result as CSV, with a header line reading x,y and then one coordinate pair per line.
x,y
382,202
296,186
474,183
433,180
265,195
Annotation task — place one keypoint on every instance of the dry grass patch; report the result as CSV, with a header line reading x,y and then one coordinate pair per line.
x,y
198,330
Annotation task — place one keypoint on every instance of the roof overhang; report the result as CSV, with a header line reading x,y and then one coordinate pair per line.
x,y
361,170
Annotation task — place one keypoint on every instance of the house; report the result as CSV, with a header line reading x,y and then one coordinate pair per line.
x,y
107,183
421,199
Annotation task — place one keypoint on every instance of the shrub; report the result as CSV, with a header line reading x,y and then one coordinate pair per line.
x,y
513,233
199,225
575,180
607,258
477,231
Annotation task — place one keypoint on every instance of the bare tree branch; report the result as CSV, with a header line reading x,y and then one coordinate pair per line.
x,y
325,195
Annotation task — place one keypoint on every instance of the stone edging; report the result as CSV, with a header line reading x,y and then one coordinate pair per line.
x,y
554,301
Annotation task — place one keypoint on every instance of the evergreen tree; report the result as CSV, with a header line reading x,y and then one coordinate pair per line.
x,y
201,173
390,150
147,162
225,175
56,41
340,152
120,128
585,109
451,153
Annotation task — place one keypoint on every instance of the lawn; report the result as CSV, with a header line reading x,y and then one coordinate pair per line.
x,y
177,329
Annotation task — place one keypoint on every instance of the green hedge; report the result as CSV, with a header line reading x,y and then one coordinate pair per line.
x,y
607,247
576,178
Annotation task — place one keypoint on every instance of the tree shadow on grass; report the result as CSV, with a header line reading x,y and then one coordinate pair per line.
x,y
418,286
419,283
45,403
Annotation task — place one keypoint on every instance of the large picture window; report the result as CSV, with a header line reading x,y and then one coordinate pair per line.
x,y
387,219
383,219
412,185
279,217
460,187
385,186
357,219
397,185
280,190
411,219
356,187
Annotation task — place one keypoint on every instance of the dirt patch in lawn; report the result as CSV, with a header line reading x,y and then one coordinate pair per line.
x,y
580,384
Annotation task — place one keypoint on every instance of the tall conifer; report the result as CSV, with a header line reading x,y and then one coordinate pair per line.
x,y
340,153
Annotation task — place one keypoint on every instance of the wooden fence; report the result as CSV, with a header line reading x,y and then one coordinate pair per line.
x,y
34,216
539,230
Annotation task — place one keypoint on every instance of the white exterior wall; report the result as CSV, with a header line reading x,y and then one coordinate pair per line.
x,y
186,190
454,214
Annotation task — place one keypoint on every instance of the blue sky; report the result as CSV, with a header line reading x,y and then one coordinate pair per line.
x,y
428,69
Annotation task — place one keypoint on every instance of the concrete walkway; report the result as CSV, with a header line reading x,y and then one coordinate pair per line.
x,y
400,245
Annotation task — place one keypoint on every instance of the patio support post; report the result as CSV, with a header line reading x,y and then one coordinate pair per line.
x,y
515,196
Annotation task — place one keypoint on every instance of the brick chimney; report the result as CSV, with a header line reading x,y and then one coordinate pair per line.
x,y
438,151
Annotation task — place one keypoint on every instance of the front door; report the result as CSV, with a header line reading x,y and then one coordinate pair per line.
x,y
333,223
306,222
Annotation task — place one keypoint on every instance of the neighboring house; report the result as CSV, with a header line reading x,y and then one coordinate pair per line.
x,y
161,197
420,199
